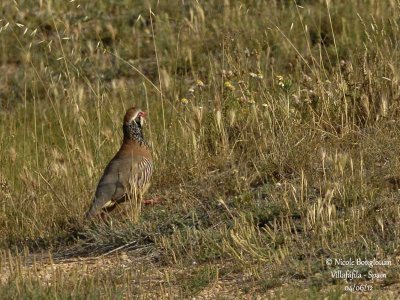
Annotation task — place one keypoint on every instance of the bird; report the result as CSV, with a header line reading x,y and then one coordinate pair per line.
x,y
127,176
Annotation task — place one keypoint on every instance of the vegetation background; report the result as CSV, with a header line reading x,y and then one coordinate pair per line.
x,y
274,127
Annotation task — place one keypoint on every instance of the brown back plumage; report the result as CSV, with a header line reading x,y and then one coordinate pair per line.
x,y
128,174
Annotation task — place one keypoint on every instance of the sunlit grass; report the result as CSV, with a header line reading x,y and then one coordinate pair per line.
x,y
274,133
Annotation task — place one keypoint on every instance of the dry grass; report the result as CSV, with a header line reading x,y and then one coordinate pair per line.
x,y
274,128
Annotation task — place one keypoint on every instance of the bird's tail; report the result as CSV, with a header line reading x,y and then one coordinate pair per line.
x,y
97,207
91,211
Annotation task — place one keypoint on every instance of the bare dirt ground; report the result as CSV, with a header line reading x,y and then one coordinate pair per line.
x,y
150,281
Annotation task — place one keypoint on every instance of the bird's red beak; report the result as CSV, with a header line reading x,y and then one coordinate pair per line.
x,y
143,114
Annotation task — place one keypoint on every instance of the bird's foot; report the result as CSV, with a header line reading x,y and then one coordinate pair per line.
x,y
153,201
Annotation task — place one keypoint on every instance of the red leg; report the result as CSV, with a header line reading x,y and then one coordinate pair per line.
x,y
153,200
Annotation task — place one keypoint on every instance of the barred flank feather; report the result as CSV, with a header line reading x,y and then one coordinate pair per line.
x,y
146,167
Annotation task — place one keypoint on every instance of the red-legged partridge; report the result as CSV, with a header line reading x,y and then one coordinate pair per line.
x,y
127,175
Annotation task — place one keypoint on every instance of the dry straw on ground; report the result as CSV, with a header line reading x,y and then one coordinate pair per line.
x,y
274,128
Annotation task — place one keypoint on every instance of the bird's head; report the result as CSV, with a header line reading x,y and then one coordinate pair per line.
x,y
133,122
136,115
